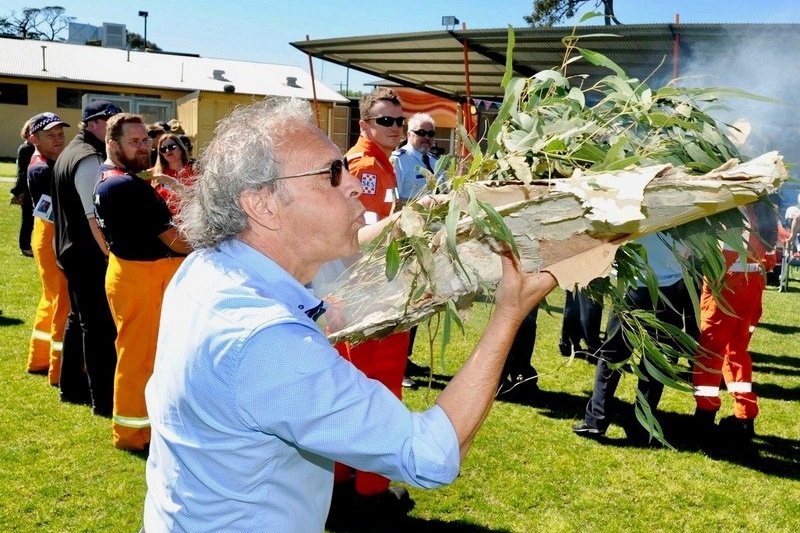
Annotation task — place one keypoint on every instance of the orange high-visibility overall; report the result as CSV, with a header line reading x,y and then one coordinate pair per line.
x,y
53,308
135,291
724,338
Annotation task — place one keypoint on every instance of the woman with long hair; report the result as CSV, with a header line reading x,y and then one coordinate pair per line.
x,y
173,171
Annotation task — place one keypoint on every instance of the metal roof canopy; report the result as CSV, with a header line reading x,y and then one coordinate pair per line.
x,y
435,61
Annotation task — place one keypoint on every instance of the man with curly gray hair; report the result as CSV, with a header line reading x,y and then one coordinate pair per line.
x,y
249,404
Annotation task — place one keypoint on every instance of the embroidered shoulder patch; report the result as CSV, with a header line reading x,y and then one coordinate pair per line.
x,y
369,182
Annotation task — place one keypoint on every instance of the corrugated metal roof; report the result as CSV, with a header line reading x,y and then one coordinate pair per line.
x,y
92,64
434,61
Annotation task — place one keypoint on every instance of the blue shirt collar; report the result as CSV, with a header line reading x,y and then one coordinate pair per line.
x,y
290,291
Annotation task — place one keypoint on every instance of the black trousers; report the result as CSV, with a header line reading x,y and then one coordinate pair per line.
x,y
26,224
581,321
89,337
518,362
615,350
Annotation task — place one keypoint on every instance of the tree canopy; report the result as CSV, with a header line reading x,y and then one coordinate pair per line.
x,y
42,23
549,12
136,42
49,23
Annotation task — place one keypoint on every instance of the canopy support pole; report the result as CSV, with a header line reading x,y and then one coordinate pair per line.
x,y
313,86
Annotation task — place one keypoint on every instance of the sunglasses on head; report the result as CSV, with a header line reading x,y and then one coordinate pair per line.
x,y
335,170
424,133
164,148
387,122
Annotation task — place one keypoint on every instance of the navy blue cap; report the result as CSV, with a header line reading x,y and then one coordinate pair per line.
x,y
100,109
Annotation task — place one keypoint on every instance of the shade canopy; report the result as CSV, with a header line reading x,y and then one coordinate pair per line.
x,y
436,61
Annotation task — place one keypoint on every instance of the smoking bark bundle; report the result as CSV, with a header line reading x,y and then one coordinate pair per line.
x,y
570,227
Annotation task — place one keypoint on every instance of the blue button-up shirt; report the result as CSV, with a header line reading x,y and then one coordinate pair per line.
x,y
665,266
250,406
411,181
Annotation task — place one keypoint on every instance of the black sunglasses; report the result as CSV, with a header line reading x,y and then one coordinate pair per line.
x,y
167,148
335,169
423,133
387,122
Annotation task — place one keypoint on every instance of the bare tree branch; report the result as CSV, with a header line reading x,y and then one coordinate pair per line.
x,y
45,23
550,12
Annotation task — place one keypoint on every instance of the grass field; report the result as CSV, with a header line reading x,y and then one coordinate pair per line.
x,y
526,472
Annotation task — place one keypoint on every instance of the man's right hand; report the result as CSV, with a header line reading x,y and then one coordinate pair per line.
x,y
520,291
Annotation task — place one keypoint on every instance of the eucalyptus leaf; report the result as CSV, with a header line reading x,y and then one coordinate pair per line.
x,y
451,317
424,257
512,40
577,95
392,259
600,60
451,226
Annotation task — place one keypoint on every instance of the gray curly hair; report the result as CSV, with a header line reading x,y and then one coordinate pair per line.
x,y
240,157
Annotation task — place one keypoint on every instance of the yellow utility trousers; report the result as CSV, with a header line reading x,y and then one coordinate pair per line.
x,y
50,320
135,290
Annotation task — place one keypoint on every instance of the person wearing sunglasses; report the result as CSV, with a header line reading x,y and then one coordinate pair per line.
x,y
381,127
359,492
414,163
145,251
173,171
248,402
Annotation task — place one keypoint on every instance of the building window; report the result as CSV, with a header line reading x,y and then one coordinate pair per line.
x,y
13,93
68,98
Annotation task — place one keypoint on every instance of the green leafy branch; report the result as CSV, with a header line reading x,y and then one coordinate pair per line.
x,y
547,128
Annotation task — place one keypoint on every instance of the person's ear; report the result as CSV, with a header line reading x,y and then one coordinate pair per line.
x,y
262,208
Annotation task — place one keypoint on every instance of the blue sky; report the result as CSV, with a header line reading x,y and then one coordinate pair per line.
x,y
261,30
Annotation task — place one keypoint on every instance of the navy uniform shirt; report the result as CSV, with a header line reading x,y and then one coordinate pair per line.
x,y
132,215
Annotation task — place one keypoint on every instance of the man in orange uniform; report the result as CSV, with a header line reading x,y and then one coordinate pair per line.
x,y
725,333
145,252
47,136
383,359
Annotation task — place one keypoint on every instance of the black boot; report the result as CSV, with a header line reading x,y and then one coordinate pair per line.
x,y
704,431
738,430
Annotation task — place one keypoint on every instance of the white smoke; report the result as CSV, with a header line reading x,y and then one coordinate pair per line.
x,y
762,60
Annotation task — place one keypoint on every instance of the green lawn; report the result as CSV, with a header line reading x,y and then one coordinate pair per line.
x,y
526,472
7,168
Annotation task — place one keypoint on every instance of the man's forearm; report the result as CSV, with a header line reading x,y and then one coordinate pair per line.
x,y
468,397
